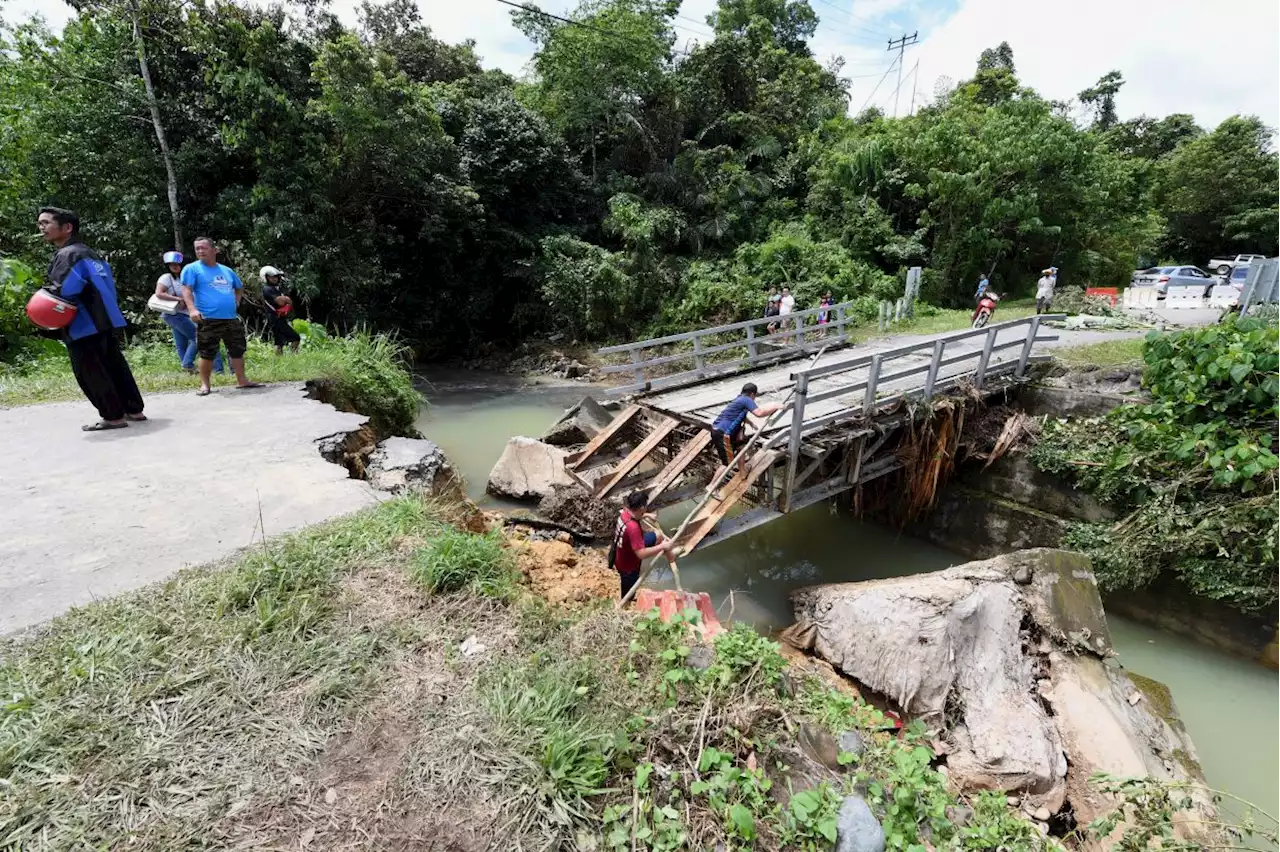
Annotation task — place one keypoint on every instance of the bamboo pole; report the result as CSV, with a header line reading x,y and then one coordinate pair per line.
x,y
715,486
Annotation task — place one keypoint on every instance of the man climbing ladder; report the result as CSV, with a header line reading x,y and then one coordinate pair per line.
x,y
632,543
728,430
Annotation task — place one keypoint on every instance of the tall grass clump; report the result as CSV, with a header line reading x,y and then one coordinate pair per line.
x,y
369,373
457,560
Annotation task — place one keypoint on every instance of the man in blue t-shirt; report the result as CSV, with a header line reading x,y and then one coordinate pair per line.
x,y
212,293
728,430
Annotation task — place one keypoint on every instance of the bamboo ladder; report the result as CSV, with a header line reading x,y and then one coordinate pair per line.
x,y
715,486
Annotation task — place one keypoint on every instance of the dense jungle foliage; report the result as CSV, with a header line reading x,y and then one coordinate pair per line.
x,y
624,185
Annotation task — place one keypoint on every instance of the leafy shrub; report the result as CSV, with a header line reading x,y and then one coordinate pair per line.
x,y
312,333
723,291
369,373
588,290
1195,468
1267,313
456,560
19,343
1072,300
741,653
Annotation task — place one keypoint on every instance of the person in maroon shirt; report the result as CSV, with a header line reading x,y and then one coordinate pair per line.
x,y
632,544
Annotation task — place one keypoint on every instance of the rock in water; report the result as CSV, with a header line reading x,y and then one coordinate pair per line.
x,y
579,424
953,634
971,643
528,470
857,829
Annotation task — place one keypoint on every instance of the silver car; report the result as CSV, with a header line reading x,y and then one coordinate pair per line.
x,y
1161,277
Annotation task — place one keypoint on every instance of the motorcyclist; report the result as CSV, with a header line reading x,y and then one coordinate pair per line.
x,y
278,306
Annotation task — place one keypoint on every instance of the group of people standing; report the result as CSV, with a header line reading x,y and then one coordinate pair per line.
x,y
169,289
204,296
780,304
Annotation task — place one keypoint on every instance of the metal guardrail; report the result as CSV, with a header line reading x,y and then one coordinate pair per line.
x,y
792,338
875,376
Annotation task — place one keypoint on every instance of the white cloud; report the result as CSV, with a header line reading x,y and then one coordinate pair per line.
x,y
1208,59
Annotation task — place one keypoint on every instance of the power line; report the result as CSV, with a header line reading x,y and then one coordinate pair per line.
x,y
910,76
915,80
903,43
534,10
702,24
877,88
873,28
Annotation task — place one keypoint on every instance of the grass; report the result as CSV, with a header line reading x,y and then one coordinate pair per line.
x,y
310,694
138,722
1107,353
363,372
457,560
931,320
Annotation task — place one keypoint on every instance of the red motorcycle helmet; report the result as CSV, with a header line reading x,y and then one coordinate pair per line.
x,y
50,312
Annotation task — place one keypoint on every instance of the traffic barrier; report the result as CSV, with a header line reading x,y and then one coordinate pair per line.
x,y
1108,293
1140,297
1185,297
1224,296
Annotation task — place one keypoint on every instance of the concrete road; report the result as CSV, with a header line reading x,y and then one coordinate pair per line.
x,y
88,515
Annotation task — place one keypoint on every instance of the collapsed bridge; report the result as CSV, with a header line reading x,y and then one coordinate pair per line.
x,y
844,419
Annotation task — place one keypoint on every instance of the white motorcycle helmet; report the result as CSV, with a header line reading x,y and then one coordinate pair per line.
x,y
268,270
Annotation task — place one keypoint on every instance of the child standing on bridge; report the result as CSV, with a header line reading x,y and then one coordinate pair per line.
x,y
728,431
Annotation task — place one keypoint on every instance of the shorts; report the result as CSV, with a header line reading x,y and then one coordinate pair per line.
x,y
626,581
282,332
212,332
727,446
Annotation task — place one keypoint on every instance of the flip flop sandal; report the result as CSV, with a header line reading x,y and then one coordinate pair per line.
x,y
251,385
102,426
136,418
203,392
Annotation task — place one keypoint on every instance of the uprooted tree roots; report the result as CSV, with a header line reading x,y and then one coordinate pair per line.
x,y
932,446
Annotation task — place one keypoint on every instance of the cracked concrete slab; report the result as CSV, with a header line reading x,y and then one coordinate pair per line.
x,y
90,515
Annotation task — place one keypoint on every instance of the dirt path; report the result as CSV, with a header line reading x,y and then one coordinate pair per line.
x,y
89,515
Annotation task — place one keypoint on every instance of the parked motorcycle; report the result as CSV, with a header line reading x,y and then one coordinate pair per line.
x,y
986,307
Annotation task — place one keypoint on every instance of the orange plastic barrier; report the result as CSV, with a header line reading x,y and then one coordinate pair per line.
x,y
668,603
1110,293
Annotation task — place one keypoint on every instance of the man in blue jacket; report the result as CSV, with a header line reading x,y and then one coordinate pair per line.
x,y
78,274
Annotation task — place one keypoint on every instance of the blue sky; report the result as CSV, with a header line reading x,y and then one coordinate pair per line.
x,y
1172,59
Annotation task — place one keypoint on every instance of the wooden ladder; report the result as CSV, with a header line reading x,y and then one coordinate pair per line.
x,y
661,430
701,525
677,465
576,460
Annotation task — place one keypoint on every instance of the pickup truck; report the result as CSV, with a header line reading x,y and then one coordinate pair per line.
x,y
1224,265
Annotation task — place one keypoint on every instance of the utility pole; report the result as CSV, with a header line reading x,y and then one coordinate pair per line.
x,y
901,44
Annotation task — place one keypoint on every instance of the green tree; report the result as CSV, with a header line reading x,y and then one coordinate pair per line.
x,y
1218,192
594,78
1099,100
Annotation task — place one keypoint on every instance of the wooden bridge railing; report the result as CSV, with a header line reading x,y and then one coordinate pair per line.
x,y
796,333
870,382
